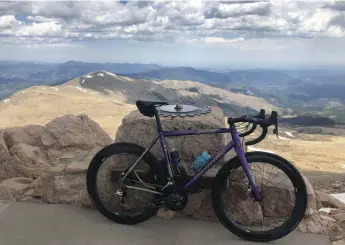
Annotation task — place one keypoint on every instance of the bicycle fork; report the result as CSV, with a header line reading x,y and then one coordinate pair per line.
x,y
245,166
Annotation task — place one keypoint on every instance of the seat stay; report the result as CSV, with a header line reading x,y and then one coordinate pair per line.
x,y
132,167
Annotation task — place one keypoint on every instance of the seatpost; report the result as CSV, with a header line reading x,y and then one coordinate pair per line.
x,y
158,121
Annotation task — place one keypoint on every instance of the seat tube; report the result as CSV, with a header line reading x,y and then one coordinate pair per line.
x,y
245,166
158,122
163,145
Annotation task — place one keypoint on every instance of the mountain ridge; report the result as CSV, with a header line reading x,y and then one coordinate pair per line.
x,y
298,92
107,98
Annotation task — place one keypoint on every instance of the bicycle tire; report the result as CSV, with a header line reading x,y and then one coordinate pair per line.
x,y
296,179
96,162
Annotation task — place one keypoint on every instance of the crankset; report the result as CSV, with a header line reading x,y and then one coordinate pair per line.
x,y
175,201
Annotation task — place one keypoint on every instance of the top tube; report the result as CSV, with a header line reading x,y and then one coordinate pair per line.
x,y
195,132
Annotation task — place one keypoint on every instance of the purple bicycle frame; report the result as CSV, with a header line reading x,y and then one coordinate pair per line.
x,y
235,143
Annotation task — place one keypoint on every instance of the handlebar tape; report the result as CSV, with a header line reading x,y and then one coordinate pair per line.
x,y
260,138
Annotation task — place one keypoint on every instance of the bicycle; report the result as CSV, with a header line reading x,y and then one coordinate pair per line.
x,y
159,180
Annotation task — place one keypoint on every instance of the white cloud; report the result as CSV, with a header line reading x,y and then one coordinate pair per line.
x,y
220,40
211,23
40,19
40,29
225,11
53,45
8,21
253,44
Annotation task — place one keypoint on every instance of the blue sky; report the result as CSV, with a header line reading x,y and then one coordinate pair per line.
x,y
194,33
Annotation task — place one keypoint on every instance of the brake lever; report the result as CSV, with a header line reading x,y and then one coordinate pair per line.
x,y
275,130
274,118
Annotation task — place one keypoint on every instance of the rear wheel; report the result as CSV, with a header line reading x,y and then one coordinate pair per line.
x,y
283,203
121,205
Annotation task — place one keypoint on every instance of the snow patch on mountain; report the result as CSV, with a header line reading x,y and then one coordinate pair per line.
x,y
289,134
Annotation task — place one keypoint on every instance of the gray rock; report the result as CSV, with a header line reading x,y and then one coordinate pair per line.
x,y
337,185
26,151
14,188
141,130
32,158
75,131
312,224
65,187
328,200
10,166
30,135
66,182
339,242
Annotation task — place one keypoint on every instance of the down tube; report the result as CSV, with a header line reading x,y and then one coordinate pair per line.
x,y
220,154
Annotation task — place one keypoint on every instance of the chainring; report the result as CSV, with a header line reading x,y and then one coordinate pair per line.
x,y
176,201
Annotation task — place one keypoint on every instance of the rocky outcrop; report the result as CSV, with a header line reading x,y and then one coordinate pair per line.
x,y
66,182
332,217
74,132
329,201
340,242
26,151
49,164
15,188
141,130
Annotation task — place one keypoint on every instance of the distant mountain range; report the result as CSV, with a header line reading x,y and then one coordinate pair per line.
x,y
244,77
16,76
298,92
106,97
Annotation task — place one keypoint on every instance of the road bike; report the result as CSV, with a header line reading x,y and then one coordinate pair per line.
x,y
160,182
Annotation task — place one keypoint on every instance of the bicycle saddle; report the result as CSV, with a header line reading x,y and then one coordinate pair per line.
x,y
147,108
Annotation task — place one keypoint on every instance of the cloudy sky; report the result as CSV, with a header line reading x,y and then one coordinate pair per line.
x,y
223,34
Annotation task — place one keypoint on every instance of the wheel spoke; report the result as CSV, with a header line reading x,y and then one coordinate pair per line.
x,y
120,203
271,214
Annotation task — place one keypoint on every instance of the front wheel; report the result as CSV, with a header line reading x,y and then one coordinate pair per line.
x,y
283,198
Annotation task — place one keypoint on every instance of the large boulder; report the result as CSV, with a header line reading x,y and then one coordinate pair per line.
x,y
278,201
62,151
312,223
74,131
141,130
26,151
14,189
10,166
328,201
65,183
66,186
31,158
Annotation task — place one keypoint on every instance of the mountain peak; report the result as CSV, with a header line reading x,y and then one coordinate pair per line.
x,y
70,62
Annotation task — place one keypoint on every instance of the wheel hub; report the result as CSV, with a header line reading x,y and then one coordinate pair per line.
x,y
251,194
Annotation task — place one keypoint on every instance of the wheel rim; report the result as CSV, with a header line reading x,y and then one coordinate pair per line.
x,y
136,201
260,218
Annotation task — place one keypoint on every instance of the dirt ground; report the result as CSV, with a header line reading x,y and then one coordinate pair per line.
x,y
41,104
